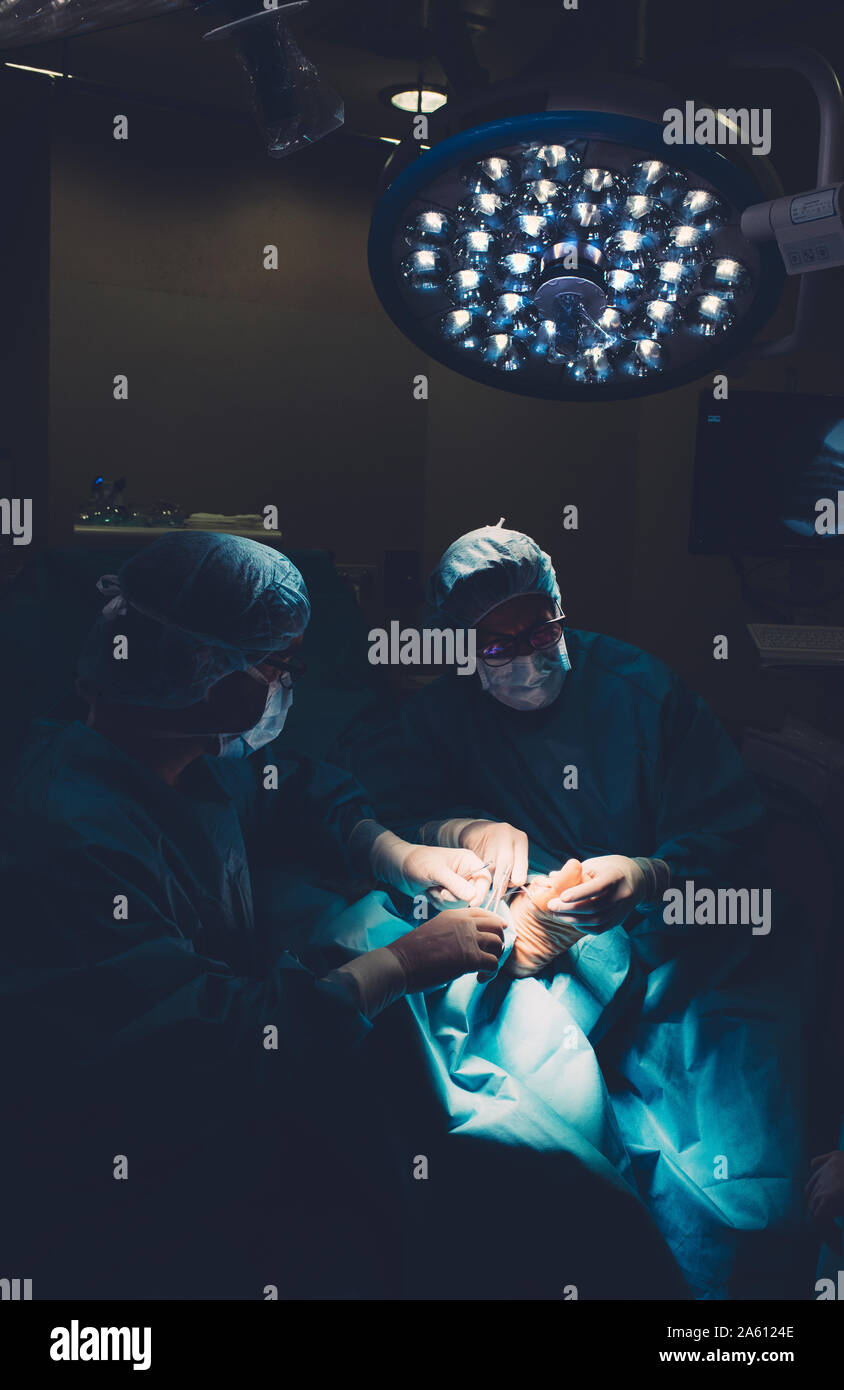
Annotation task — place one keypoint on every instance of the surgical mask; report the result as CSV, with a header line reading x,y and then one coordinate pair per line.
x,y
269,726
527,682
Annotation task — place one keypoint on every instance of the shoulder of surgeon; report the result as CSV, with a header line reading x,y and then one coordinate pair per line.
x,y
610,658
71,783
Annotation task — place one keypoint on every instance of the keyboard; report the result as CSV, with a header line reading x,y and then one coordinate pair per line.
x,y
786,644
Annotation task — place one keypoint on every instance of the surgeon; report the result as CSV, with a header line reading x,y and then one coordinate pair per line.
x,y
565,745
595,782
135,964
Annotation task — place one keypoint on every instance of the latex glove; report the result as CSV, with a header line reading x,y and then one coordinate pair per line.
x,y
416,868
825,1196
454,943
611,887
541,935
496,842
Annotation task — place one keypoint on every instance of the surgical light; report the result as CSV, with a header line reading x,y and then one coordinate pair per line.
x,y
730,278
469,287
597,260
709,315
425,99
424,271
473,249
515,314
503,353
429,227
589,267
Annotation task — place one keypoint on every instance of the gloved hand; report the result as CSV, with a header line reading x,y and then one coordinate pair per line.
x,y
611,887
497,843
825,1196
454,943
541,935
416,868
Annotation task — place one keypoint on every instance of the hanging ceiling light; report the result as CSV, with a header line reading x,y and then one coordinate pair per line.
x,y
571,252
425,97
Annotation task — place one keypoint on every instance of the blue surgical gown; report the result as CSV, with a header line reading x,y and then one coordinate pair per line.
x,y
143,959
655,773
696,1027
140,987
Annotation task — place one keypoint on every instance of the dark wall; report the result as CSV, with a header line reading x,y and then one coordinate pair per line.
x,y
246,386
24,310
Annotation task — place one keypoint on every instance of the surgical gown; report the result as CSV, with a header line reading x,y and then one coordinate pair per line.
x,y
152,1017
149,945
696,1028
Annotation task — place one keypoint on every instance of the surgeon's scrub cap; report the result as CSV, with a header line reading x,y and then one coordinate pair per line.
x,y
195,606
484,568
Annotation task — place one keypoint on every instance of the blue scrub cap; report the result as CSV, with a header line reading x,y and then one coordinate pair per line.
x,y
194,606
486,567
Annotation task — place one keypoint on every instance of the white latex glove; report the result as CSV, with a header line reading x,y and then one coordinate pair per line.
x,y
501,845
417,868
612,886
454,944
434,953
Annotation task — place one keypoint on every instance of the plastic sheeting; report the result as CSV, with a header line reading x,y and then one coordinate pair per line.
x,y
293,105
33,21
691,1103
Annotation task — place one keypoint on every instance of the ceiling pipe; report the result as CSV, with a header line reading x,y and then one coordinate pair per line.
x,y
454,48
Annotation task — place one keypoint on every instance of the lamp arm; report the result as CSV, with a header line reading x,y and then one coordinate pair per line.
x,y
824,82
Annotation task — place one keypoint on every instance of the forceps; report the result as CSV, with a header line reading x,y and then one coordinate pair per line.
x,y
498,895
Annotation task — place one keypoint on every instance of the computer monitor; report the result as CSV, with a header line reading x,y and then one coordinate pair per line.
x,y
769,475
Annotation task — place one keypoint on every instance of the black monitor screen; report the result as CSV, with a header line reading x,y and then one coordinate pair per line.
x,y
769,475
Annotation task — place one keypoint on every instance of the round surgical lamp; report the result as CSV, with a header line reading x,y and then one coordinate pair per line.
x,y
550,242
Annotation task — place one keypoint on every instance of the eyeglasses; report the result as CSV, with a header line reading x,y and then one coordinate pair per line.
x,y
288,665
504,650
